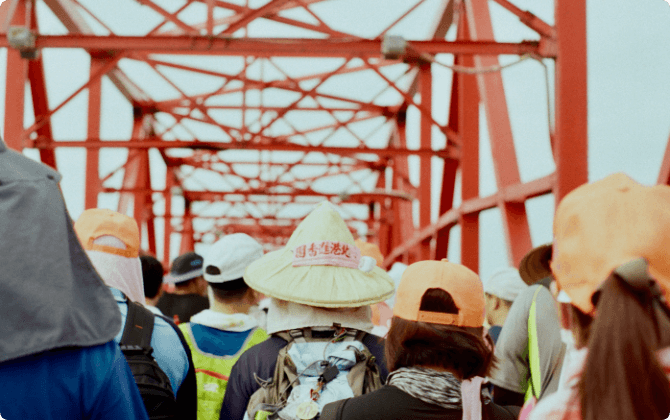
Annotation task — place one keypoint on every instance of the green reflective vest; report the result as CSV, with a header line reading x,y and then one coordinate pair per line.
x,y
212,372
535,383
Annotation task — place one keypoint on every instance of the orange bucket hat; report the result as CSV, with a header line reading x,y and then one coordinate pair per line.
x,y
460,282
94,223
600,226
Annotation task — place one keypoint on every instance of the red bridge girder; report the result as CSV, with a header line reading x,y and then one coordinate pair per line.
x,y
342,150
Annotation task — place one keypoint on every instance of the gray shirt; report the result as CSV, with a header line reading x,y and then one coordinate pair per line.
x,y
513,368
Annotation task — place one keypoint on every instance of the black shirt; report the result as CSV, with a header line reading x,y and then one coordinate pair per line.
x,y
390,403
261,360
184,306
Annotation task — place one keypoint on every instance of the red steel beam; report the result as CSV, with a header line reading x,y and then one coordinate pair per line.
x,y
426,125
514,193
403,220
450,167
68,13
468,99
571,140
93,183
187,240
274,47
229,196
529,19
492,94
95,143
15,87
252,14
167,219
38,90
95,77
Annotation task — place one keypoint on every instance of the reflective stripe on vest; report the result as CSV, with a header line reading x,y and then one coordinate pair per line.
x,y
212,372
535,383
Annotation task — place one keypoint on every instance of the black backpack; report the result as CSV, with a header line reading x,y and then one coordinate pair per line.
x,y
153,383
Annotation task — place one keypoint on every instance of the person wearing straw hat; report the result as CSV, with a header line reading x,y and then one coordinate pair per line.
x,y
190,289
58,358
610,260
501,289
436,351
219,335
320,286
112,243
530,350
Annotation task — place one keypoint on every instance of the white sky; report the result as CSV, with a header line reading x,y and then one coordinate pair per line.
x,y
629,97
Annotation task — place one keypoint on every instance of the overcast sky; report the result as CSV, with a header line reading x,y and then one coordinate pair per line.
x,y
629,100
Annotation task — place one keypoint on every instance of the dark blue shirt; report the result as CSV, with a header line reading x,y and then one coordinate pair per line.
x,y
494,332
71,383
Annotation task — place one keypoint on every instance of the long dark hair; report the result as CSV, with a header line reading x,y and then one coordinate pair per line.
x,y
622,377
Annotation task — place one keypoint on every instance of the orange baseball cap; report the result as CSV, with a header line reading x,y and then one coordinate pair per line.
x,y
94,223
600,226
460,282
370,250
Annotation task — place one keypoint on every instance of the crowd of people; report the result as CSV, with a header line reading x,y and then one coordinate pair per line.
x,y
91,328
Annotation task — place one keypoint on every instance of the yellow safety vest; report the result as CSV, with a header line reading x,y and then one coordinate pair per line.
x,y
535,382
212,372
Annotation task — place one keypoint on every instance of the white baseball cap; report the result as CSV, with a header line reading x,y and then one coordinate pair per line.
x,y
505,283
228,257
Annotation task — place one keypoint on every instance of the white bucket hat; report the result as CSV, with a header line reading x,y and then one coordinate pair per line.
x,y
320,266
227,259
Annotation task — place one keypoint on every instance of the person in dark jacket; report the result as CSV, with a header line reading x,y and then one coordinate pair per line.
x,y
435,351
320,282
190,293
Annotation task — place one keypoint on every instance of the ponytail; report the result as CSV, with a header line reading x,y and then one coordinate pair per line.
x,y
622,376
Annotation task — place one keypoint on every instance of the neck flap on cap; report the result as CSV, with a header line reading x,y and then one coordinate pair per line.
x,y
50,295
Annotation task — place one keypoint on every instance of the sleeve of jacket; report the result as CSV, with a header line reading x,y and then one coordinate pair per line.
x,y
187,394
512,370
260,360
238,391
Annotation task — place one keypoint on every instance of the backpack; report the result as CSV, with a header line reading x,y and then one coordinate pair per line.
x,y
153,383
315,368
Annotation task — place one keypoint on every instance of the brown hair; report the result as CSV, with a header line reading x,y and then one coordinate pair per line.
x,y
462,349
622,377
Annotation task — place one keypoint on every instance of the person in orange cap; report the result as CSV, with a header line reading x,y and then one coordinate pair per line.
x,y
610,261
112,243
435,352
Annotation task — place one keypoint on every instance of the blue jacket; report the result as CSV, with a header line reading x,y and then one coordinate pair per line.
x,y
70,383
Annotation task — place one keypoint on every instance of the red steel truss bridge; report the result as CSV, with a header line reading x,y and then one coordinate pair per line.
x,y
253,111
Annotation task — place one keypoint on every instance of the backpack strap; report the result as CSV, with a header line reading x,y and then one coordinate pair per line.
x,y
138,329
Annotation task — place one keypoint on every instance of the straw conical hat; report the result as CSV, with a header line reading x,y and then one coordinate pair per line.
x,y
329,286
